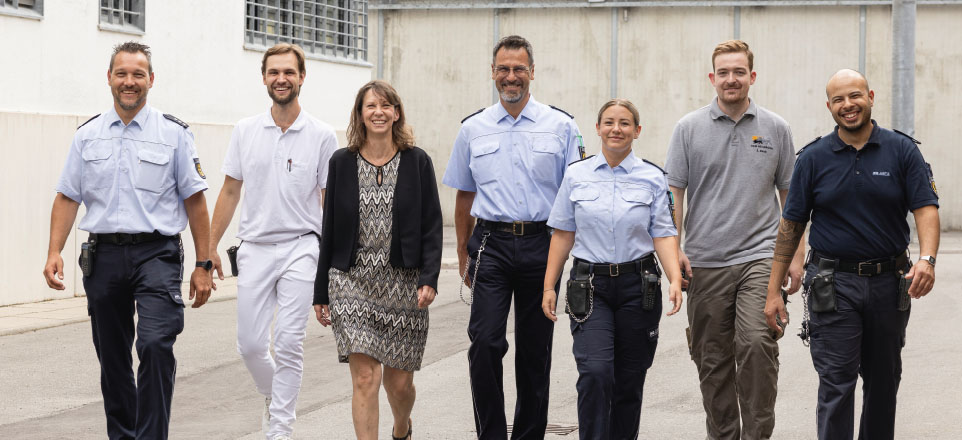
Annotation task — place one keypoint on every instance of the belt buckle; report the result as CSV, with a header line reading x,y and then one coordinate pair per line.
x,y
877,267
514,227
614,272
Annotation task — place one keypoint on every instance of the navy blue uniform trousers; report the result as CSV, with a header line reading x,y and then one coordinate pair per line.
x,y
145,277
613,349
864,336
515,265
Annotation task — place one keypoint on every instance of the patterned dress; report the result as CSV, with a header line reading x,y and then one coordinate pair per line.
x,y
374,306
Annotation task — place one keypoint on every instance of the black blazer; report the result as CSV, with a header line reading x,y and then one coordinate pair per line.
x,y
416,233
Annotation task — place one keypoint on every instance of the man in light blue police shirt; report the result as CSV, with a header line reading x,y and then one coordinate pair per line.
x,y
507,164
136,170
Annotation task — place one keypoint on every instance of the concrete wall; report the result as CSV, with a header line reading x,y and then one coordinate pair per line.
x,y
54,77
440,59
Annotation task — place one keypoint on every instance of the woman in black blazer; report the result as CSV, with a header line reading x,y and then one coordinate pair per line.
x,y
380,256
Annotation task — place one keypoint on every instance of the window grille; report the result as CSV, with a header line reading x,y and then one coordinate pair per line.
x,y
122,15
332,29
22,8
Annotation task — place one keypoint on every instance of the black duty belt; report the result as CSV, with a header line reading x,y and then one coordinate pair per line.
x,y
516,228
121,239
616,269
867,268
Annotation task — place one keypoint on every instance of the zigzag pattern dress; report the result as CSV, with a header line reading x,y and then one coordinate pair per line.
x,y
374,306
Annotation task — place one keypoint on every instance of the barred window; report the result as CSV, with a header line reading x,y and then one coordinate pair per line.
x,y
332,29
22,8
122,16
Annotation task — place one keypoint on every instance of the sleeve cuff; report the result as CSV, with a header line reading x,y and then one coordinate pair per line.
x,y
675,182
793,218
915,206
186,193
72,195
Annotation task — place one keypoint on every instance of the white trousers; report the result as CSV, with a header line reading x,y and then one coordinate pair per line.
x,y
276,276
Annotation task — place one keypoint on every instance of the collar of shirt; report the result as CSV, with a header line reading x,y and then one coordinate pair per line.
x,y
529,112
716,112
268,121
838,144
627,164
139,120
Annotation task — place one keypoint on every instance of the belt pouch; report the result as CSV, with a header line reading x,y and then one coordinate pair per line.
x,y
232,256
578,289
905,301
88,251
823,287
651,288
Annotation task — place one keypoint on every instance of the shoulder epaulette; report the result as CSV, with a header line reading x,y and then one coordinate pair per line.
x,y
800,150
581,160
910,137
472,114
562,111
656,166
175,120
91,119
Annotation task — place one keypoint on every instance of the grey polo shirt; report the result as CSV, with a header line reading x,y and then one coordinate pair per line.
x,y
731,172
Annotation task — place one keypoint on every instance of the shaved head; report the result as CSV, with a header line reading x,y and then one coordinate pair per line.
x,y
850,101
846,77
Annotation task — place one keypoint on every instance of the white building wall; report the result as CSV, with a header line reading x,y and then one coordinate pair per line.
x,y
439,60
53,77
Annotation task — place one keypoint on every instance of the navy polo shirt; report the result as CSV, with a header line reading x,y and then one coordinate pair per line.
x,y
858,200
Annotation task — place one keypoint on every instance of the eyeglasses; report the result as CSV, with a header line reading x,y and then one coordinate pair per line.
x,y
518,70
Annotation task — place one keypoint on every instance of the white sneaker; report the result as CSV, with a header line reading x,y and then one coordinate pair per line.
x,y
266,416
282,437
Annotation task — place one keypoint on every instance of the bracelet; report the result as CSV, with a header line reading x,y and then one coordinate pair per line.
x,y
548,290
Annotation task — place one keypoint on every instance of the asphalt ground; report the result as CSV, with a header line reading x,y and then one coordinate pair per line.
x,y
49,377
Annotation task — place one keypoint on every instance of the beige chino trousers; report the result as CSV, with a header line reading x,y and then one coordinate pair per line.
x,y
734,350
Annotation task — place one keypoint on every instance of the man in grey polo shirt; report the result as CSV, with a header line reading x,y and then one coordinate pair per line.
x,y
731,156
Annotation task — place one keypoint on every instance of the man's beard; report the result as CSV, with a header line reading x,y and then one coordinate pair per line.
x,y
283,101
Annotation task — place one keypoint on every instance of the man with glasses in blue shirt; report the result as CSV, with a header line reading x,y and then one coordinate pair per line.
x,y
507,164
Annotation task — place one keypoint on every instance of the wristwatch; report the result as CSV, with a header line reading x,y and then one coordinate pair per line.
x,y
206,264
928,258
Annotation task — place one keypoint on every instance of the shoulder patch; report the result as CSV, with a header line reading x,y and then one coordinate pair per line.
x,y
910,137
581,160
656,166
562,111
472,114
174,119
800,150
91,119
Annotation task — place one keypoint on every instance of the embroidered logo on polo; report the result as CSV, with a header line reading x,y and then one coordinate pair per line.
x,y
881,173
762,144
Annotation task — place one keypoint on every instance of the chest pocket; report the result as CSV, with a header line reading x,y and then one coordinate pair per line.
x,y
484,162
303,176
98,172
637,203
545,155
587,206
152,169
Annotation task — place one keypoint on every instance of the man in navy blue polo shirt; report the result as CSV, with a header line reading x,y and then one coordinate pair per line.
x,y
857,185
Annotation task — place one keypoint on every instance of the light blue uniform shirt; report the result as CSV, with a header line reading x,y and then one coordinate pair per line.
x,y
132,178
514,165
614,212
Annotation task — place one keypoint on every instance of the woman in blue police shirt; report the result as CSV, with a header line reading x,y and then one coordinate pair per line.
x,y
612,212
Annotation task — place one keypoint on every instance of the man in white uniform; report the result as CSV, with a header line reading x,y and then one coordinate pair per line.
x,y
282,155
